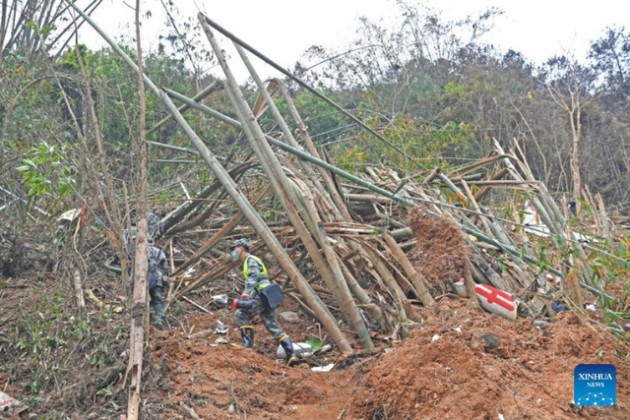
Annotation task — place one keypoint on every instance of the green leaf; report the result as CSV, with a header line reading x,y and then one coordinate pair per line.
x,y
315,343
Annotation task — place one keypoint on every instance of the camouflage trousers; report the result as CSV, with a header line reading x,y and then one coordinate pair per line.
x,y
268,317
157,305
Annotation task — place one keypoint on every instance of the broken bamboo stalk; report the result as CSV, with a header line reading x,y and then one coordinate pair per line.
x,y
79,289
471,198
283,259
310,147
416,278
308,170
227,228
271,165
603,217
374,312
390,282
199,96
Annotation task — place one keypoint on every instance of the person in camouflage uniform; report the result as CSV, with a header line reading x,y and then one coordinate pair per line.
x,y
256,278
158,272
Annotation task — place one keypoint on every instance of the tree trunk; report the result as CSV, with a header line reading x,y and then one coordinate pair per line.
x,y
139,309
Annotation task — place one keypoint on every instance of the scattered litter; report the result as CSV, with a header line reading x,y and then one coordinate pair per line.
x,y
449,369
501,417
590,306
458,330
326,368
124,354
558,307
389,349
539,400
540,324
324,349
221,340
460,287
289,316
231,408
497,301
221,328
10,404
189,273
223,299
300,350
435,338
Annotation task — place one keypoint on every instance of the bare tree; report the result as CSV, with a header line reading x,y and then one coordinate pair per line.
x,y
33,26
139,309
568,86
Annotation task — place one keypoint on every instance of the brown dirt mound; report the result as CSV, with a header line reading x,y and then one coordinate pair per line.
x,y
528,375
210,378
441,250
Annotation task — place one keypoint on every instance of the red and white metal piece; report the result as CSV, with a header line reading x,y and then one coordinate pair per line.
x,y
497,301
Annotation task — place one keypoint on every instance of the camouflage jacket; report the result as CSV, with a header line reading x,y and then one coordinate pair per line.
x,y
158,272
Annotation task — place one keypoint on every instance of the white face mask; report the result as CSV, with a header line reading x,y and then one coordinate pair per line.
x,y
234,255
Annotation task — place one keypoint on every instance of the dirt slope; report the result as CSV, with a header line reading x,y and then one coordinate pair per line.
x,y
529,374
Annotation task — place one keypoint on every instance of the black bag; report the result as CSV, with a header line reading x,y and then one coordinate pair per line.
x,y
271,296
153,279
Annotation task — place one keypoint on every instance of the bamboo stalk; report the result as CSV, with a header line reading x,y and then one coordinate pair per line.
x,y
199,96
374,312
227,182
417,279
390,282
270,165
310,147
227,227
471,197
603,217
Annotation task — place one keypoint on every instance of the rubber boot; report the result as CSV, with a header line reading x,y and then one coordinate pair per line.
x,y
287,345
247,332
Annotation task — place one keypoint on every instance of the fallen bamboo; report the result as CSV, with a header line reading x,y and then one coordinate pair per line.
x,y
202,94
269,163
227,182
310,147
227,227
417,279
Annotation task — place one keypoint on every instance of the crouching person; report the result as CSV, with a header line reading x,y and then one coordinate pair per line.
x,y
260,297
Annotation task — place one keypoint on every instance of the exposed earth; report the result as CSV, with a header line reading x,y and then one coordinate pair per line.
x,y
529,374
459,362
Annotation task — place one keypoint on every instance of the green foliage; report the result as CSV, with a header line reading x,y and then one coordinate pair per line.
x,y
46,171
315,343
423,145
70,61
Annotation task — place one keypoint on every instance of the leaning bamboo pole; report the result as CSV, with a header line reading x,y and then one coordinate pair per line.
x,y
315,303
225,229
209,23
285,192
310,147
470,228
416,278
286,131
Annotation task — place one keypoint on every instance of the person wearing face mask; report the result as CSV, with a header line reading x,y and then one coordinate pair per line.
x,y
264,296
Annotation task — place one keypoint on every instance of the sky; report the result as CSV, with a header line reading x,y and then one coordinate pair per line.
x,y
284,29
